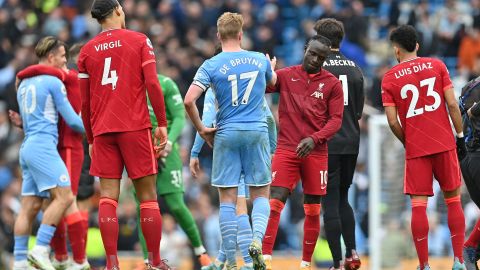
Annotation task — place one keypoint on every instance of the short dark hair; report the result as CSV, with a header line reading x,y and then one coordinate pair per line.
x,y
75,50
47,45
405,36
101,9
331,29
325,41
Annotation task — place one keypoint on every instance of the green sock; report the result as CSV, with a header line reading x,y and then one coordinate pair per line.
x,y
140,233
182,215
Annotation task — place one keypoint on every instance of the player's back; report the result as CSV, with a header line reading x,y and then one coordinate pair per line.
x,y
416,87
239,80
113,63
37,105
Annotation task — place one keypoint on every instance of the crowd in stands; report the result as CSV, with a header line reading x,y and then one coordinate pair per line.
x,y
183,33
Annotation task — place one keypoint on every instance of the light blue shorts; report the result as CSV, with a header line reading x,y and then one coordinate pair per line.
x,y
42,167
237,152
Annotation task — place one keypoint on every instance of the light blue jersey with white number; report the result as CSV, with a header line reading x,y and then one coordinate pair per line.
x,y
238,80
40,99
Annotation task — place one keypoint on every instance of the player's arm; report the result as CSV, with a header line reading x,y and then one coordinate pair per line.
x,y
72,119
454,111
360,99
474,111
175,107
271,76
39,69
391,112
84,82
272,130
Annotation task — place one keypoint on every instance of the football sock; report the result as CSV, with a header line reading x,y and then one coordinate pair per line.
x,y
474,238
311,230
456,224
59,242
260,213
151,223
20,249
45,234
183,216
228,229
276,207
141,237
244,236
348,223
222,258
76,231
419,226
108,223
85,227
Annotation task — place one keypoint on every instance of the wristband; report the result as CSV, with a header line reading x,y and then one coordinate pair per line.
x,y
460,135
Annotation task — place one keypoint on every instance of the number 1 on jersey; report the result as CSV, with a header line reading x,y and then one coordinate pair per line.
x,y
252,75
107,72
344,80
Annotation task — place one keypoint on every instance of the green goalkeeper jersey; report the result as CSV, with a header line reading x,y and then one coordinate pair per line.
x,y
174,109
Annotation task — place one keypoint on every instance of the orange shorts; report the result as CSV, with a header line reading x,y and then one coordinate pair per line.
x,y
419,173
132,149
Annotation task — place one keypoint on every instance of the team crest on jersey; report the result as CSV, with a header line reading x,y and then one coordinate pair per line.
x,y
63,178
318,93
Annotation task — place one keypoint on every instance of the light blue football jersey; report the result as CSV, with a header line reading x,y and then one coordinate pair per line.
x,y
238,80
40,99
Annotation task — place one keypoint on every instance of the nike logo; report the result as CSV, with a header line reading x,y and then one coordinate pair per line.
x,y
267,236
453,236
295,80
310,243
420,239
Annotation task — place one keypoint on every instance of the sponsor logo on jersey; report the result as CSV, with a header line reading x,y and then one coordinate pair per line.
x,y
318,93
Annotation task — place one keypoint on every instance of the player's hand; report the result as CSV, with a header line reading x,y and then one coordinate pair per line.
x,y
160,139
90,150
194,166
167,150
461,149
273,61
208,134
305,147
15,118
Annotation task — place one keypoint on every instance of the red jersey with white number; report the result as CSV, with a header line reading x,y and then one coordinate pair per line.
x,y
112,62
416,87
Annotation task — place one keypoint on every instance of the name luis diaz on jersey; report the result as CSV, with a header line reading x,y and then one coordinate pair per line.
x,y
413,69
240,61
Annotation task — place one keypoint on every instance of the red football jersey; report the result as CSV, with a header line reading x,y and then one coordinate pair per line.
x,y
416,87
113,63
67,137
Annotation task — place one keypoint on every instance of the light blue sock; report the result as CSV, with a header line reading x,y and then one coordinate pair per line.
x,y
260,214
244,236
20,248
45,234
228,229
221,255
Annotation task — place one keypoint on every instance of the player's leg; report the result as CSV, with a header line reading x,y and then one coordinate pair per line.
x,y
170,186
352,260
471,175
331,204
418,184
313,171
141,238
285,175
137,152
447,170
244,234
107,163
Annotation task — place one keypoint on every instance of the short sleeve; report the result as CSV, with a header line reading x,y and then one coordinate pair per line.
x,y
387,97
446,81
202,77
148,55
82,70
268,72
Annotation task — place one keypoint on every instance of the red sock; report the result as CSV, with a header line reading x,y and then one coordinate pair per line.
x,y
76,236
474,238
85,226
59,242
108,223
420,228
151,222
456,224
311,230
276,207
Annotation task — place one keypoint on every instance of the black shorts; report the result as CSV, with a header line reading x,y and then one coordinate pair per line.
x,y
340,170
470,167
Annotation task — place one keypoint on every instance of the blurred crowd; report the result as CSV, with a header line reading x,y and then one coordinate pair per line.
x,y
183,33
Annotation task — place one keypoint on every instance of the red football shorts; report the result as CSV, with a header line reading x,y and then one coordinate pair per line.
x,y
288,169
132,149
73,158
419,173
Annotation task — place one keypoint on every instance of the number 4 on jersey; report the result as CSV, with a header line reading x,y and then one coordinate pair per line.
x,y
107,72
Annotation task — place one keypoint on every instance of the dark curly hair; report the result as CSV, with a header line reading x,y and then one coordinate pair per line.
x,y
405,36
101,9
331,29
325,41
